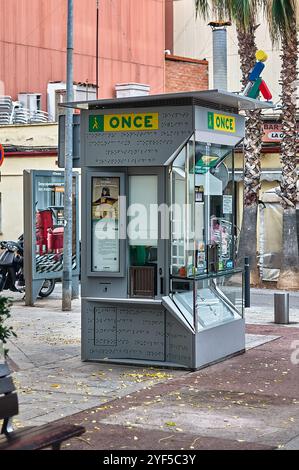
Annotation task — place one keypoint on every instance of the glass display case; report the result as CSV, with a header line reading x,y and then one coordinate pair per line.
x,y
204,284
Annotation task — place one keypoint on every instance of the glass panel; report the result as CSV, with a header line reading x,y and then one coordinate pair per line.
x,y
183,221
202,235
143,219
105,224
143,235
214,177
212,301
190,209
202,201
49,223
178,222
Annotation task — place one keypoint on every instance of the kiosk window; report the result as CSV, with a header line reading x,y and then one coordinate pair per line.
x,y
143,219
202,222
105,224
143,235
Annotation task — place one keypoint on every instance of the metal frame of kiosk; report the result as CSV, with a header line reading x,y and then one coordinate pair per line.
x,y
164,292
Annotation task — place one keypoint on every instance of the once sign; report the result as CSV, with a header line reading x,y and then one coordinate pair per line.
x,y
221,122
124,122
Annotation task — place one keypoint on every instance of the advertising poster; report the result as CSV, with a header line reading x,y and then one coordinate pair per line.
x,y
49,223
105,224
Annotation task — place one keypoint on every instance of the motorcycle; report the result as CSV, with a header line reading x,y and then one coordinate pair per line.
x,y
12,269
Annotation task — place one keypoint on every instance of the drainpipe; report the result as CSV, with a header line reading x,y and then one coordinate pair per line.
x,y
219,30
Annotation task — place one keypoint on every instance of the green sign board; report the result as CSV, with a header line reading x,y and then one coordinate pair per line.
x,y
221,122
124,122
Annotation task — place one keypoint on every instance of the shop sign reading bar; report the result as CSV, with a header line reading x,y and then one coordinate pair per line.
x,y
124,122
221,122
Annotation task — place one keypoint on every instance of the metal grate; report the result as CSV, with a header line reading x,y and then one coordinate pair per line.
x,y
142,281
184,101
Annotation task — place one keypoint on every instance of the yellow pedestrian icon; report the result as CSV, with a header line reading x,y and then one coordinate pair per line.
x,y
95,126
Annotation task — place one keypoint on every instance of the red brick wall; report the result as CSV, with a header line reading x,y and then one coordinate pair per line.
x,y
183,74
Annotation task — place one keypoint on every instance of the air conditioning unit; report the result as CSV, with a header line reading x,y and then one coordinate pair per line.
x,y
31,101
127,90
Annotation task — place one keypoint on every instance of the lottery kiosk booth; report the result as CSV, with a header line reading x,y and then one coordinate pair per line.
x,y
159,279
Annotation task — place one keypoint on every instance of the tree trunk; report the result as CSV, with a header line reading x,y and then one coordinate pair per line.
x,y
289,273
247,244
252,166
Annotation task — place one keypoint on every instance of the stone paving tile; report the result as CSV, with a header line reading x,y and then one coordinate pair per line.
x,y
265,316
293,444
252,341
245,417
115,437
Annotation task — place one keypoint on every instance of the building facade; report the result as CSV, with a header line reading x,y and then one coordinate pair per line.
x,y
41,154
33,46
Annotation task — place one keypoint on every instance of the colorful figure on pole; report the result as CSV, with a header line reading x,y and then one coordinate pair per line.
x,y
256,84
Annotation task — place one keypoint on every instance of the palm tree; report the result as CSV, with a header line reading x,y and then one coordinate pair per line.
x,y
243,14
283,22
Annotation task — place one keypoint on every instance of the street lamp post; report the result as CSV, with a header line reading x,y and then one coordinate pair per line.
x,y
68,216
97,48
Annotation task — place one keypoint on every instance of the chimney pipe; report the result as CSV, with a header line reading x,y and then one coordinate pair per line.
x,y
219,54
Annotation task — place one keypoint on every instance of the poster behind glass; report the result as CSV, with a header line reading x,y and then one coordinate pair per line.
x,y
49,224
214,165
105,224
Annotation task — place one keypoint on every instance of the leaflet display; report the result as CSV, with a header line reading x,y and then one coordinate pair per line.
x,y
105,224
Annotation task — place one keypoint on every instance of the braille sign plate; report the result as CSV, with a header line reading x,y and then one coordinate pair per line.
x,y
124,122
134,137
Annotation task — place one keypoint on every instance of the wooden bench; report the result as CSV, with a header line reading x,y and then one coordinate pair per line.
x,y
30,438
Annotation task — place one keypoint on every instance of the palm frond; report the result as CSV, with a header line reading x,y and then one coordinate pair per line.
x,y
241,12
280,15
202,8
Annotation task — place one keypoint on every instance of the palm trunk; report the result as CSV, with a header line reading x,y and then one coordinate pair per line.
x,y
289,273
252,166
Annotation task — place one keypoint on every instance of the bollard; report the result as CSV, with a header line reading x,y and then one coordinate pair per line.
x,y
281,308
247,282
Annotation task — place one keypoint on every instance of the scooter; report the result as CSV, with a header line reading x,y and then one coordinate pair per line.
x,y
12,269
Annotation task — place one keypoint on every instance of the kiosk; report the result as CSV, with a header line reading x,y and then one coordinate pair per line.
x,y
159,280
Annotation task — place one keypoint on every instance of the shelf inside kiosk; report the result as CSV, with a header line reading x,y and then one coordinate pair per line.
x,y
204,284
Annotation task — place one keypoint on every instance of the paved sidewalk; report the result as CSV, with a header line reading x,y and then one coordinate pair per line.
x,y
262,307
250,401
51,379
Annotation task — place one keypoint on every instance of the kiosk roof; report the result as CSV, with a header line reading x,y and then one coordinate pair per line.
x,y
213,98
